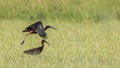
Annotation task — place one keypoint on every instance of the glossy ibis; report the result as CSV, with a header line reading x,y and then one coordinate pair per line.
x,y
36,51
36,28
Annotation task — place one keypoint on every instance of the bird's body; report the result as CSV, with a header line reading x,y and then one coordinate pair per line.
x,y
36,51
36,28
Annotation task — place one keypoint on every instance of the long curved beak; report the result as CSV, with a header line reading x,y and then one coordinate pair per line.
x,y
52,27
49,27
46,42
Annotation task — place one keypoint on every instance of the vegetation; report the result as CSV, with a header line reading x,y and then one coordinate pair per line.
x,y
60,9
87,35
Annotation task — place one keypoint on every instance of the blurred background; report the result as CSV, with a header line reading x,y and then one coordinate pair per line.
x,y
77,10
87,35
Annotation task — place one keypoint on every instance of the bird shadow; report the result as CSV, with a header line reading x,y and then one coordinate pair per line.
x,y
34,51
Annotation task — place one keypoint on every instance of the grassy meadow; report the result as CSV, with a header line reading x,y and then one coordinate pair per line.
x,y
87,35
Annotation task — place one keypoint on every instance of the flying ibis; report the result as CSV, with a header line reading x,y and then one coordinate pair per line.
x,y
36,28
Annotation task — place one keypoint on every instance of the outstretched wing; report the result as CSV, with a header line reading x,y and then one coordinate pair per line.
x,y
41,31
34,25
38,28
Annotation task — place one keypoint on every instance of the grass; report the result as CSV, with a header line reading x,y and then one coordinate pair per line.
x,y
85,45
57,9
87,36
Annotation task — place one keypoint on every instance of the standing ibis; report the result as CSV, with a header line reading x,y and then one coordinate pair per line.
x,y
36,28
36,51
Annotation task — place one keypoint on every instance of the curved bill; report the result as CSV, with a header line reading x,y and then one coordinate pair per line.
x,y
52,27
46,42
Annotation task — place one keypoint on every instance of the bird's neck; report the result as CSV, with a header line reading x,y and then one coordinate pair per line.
x,y
42,44
46,28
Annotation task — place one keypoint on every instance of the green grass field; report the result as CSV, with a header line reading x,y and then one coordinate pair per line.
x,y
87,35
77,10
84,45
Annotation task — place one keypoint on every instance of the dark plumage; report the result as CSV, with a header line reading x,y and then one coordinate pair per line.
x,y
36,28
36,51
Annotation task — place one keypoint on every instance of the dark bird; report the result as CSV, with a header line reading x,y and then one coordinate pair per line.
x,y
36,51
36,28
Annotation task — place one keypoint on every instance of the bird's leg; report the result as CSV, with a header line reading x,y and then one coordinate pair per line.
x,y
24,38
49,27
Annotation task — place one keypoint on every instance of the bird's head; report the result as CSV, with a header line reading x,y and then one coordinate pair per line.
x,y
45,42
